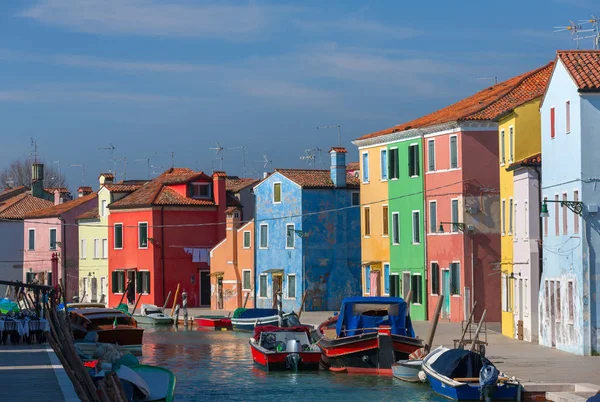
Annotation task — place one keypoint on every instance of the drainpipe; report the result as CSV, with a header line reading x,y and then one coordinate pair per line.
x,y
162,251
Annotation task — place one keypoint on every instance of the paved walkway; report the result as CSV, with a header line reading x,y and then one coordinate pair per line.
x,y
33,373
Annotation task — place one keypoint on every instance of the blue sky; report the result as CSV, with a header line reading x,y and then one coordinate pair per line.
x,y
160,76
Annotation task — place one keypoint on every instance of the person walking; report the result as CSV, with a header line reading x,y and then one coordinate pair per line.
x,y
130,292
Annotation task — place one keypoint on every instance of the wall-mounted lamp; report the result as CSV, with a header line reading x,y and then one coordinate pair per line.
x,y
575,206
151,240
462,227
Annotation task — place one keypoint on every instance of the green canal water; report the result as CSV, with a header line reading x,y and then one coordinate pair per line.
x,y
217,366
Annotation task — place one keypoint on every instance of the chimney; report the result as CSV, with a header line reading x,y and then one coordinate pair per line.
x,y
57,197
338,166
265,175
106,178
83,191
220,196
37,180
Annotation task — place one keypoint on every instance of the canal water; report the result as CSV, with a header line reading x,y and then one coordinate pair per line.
x,y
217,366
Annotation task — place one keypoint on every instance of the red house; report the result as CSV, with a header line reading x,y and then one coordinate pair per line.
x,y
160,236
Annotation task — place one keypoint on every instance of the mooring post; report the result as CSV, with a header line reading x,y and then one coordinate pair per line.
x,y
184,302
176,315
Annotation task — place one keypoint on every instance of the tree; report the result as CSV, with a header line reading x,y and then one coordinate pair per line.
x,y
18,173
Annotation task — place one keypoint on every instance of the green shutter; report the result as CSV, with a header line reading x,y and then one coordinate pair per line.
x,y
115,282
138,282
147,282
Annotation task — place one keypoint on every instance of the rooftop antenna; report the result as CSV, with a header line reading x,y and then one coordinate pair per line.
x,y
172,153
575,30
267,163
595,21
153,167
57,176
111,148
339,128
218,154
313,156
124,160
147,160
34,150
488,78
82,173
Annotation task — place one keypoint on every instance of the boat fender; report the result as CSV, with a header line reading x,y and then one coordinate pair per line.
x,y
488,381
422,376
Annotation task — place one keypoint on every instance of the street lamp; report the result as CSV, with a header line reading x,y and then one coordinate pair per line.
x,y
458,225
575,206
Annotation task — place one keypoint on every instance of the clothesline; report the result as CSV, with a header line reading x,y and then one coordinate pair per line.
x,y
198,254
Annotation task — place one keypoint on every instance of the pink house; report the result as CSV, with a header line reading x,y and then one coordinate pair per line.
x,y
53,231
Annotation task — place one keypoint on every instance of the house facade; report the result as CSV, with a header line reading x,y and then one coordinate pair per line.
x,y
307,226
241,189
232,265
161,235
569,313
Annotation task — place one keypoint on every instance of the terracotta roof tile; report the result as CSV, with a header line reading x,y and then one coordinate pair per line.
x,y
180,176
57,210
583,66
236,184
311,178
219,174
19,206
107,176
353,166
122,188
168,196
465,109
11,192
62,190
533,160
340,150
91,214
84,188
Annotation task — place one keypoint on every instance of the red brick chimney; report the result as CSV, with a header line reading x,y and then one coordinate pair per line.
x,y
83,191
232,224
220,197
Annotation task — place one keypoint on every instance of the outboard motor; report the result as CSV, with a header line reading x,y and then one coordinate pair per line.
x,y
488,382
292,360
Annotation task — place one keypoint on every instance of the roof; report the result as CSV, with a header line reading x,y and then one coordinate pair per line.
x,y
339,150
533,160
236,184
353,166
57,210
311,178
61,190
122,188
11,192
19,206
108,176
84,188
91,214
584,68
472,108
180,176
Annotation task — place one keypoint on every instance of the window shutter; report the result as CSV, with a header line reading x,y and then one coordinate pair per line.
x,y
115,282
138,282
416,160
147,282
552,126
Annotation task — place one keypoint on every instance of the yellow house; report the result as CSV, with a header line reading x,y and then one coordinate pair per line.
x,y
375,243
519,133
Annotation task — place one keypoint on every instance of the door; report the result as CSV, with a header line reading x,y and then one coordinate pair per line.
x,y
131,297
277,286
94,290
446,293
205,288
374,279
220,293
103,290
85,291
552,315
521,298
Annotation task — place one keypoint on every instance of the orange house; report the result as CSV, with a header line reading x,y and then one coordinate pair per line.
x,y
232,265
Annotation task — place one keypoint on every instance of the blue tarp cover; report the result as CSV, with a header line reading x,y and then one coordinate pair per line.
x,y
259,313
358,313
459,363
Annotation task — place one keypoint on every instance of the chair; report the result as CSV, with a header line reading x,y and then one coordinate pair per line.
x,y
11,331
35,332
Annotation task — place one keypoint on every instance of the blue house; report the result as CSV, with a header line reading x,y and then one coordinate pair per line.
x,y
307,226
569,313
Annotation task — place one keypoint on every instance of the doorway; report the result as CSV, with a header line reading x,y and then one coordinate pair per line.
x,y
374,281
446,293
94,290
552,315
205,288
131,292
220,292
277,286
395,285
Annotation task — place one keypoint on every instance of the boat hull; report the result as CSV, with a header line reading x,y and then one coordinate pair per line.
x,y
148,320
407,370
121,336
276,361
216,323
248,324
471,391
162,382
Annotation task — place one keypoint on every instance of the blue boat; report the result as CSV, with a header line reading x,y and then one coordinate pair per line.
x,y
246,320
454,374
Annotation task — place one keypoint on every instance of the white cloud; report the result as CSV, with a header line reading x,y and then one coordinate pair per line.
x,y
156,17
284,91
359,25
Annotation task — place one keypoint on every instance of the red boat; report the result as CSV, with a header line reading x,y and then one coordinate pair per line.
x,y
289,348
217,323
368,336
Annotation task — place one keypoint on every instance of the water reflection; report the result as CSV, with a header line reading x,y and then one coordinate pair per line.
x,y
218,366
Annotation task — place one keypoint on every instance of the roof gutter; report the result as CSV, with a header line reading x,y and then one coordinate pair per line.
x,y
406,134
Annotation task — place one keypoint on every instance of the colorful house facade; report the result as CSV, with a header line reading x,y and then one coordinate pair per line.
x,y
308,237
569,313
241,189
232,265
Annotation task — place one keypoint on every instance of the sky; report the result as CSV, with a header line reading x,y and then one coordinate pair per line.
x,y
163,78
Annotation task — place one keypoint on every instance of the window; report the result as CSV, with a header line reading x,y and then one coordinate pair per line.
x,y
200,190
289,236
416,227
118,281
510,144
510,216
514,228
558,307
394,285
386,279
552,127
565,212
49,278
142,282
31,245
417,297
526,297
246,280
264,235
413,160
455,217
453,152
365,167
385,229
246,243
556,220
143,235
118,236
432,217
104,248
263,286
291,288
504,290
455,278
570,300
503,217
96,248
568,117
395,228
384,166
367,221
30,277
526,218
355,198
435,278
575,216
405,285
103,208
367,279
394,164
502,148
545,222
52,239
431,155
276,193
83,251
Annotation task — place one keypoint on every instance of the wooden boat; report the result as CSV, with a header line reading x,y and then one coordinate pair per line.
x,y
407,370
214,322
276,348
145,383
111,326
454,374
250,318
153,315
371,333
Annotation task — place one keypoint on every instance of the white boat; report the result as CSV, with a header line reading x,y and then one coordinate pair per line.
x,y
407,370
153,315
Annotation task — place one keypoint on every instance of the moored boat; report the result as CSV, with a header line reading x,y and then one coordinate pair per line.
x,y
457,374
371,333
145,383
248,319
407,370
216,322
152,315
276,348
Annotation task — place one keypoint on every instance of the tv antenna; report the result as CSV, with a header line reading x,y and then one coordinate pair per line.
x,y
147,160
124,160
488,78
220,154
595,21
575,30
267,163
111,148
339,128
82,166
313,156
56,175
172,153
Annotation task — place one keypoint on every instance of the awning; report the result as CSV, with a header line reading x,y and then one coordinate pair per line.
x,y
273,271
217,274
378,263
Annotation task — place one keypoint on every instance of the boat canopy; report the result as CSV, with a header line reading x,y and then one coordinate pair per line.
x,y
360,315
255,313
459,363
273,328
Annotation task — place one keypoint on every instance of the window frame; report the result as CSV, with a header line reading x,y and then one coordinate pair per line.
x,y
365,168
395,230
394,167
367,221
142,273
416,231
249,233
546,221
454,227
260,236
50,247
570,301
275,184
119,225
502,147
83,250
103,208
552,123
385,220
244,288
29,239
200,184
511,144
503,217
140,225
287,288
104,249
435,278
450,150
119,272
431,155
556,215
575,216
96,249
367,275
386,278
290,235
352,194
433,218
402,287
452,265
565,214
417,296
383,166
260,287
414,169
510,215
568,116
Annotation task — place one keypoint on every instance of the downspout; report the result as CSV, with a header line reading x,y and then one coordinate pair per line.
x,y
162,251
540,248
64,257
